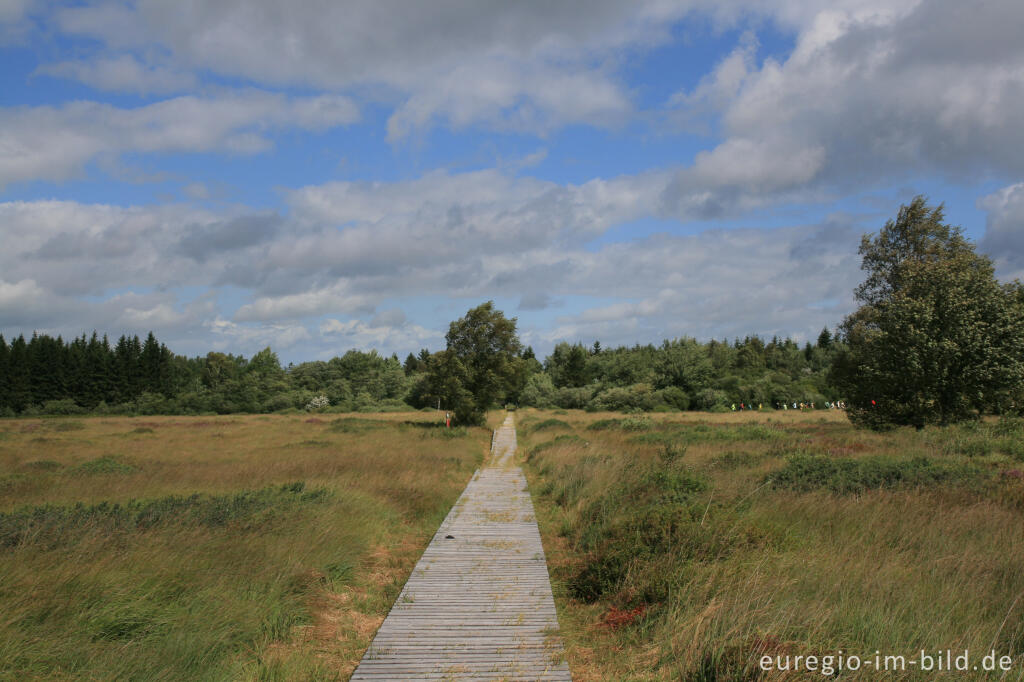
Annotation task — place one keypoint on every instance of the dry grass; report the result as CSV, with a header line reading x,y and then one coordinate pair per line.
x,y
752,569
293,590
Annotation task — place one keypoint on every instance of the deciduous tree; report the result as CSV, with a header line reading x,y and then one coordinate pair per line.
x,y
937,339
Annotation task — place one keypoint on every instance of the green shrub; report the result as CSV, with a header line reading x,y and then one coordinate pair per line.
x,y
648,514
62,407
550,424
107,464
674,397
638,423
621,399
603,424
845,476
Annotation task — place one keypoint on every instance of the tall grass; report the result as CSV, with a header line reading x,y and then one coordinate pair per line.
x,y
691,555
261,547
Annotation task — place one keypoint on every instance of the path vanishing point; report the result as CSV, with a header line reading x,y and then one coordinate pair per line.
x,y
478,605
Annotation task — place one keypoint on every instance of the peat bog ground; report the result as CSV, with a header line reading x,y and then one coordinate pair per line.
x,y
688,546
236,547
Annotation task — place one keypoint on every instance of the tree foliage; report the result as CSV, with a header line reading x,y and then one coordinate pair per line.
x,y
937,339
482,365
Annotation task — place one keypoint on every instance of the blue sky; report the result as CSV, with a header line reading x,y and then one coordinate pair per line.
x,y
316,178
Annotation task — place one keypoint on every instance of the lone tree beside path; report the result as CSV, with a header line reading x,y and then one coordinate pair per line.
x,y
481,366
937,338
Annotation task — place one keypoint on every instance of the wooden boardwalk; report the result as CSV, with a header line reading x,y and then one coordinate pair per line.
x,y
478,605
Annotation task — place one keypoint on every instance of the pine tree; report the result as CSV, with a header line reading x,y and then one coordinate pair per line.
x,y
19,380
5,387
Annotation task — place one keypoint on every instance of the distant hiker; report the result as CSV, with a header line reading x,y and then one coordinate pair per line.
x,y
734,407
447,420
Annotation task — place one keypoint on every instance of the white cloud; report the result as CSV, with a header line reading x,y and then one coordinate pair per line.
x,y
786,281
1004,230
122,73
380,335
502,65
54,143
334,299
232,337
872,92
23,301
14,21
494,92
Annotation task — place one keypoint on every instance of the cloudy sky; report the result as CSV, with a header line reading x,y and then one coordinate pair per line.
x,y
318,176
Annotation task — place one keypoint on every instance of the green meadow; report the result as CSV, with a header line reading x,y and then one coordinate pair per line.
x,y
214,548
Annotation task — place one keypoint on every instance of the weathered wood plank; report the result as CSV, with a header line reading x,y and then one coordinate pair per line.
x,y
478,605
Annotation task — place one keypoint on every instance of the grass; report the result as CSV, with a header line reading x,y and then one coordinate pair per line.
x,y
213,548
691,547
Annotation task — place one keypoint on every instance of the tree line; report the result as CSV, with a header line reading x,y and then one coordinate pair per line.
x,y
47,375
937,339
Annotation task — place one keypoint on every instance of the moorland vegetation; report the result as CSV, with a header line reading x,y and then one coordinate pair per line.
x,y
210,548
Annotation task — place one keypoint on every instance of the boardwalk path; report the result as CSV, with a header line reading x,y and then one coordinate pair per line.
x,y
478,604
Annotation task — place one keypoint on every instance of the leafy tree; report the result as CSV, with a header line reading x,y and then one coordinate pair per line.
x,y
480,367
538,392
937,339
683,363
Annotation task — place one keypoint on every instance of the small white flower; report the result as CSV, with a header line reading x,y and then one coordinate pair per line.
x,y
318,403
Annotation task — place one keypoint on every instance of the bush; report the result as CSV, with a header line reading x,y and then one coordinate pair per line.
x,y
574,398
636,397
673,396
107,464
649,513
640,423
154,403
538,392
845,476
711,398
550,424
62,407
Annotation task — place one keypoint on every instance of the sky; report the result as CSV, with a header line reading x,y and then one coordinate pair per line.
x,y
317,176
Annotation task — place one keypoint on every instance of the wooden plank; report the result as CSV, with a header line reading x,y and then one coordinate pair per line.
x,y
478,604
